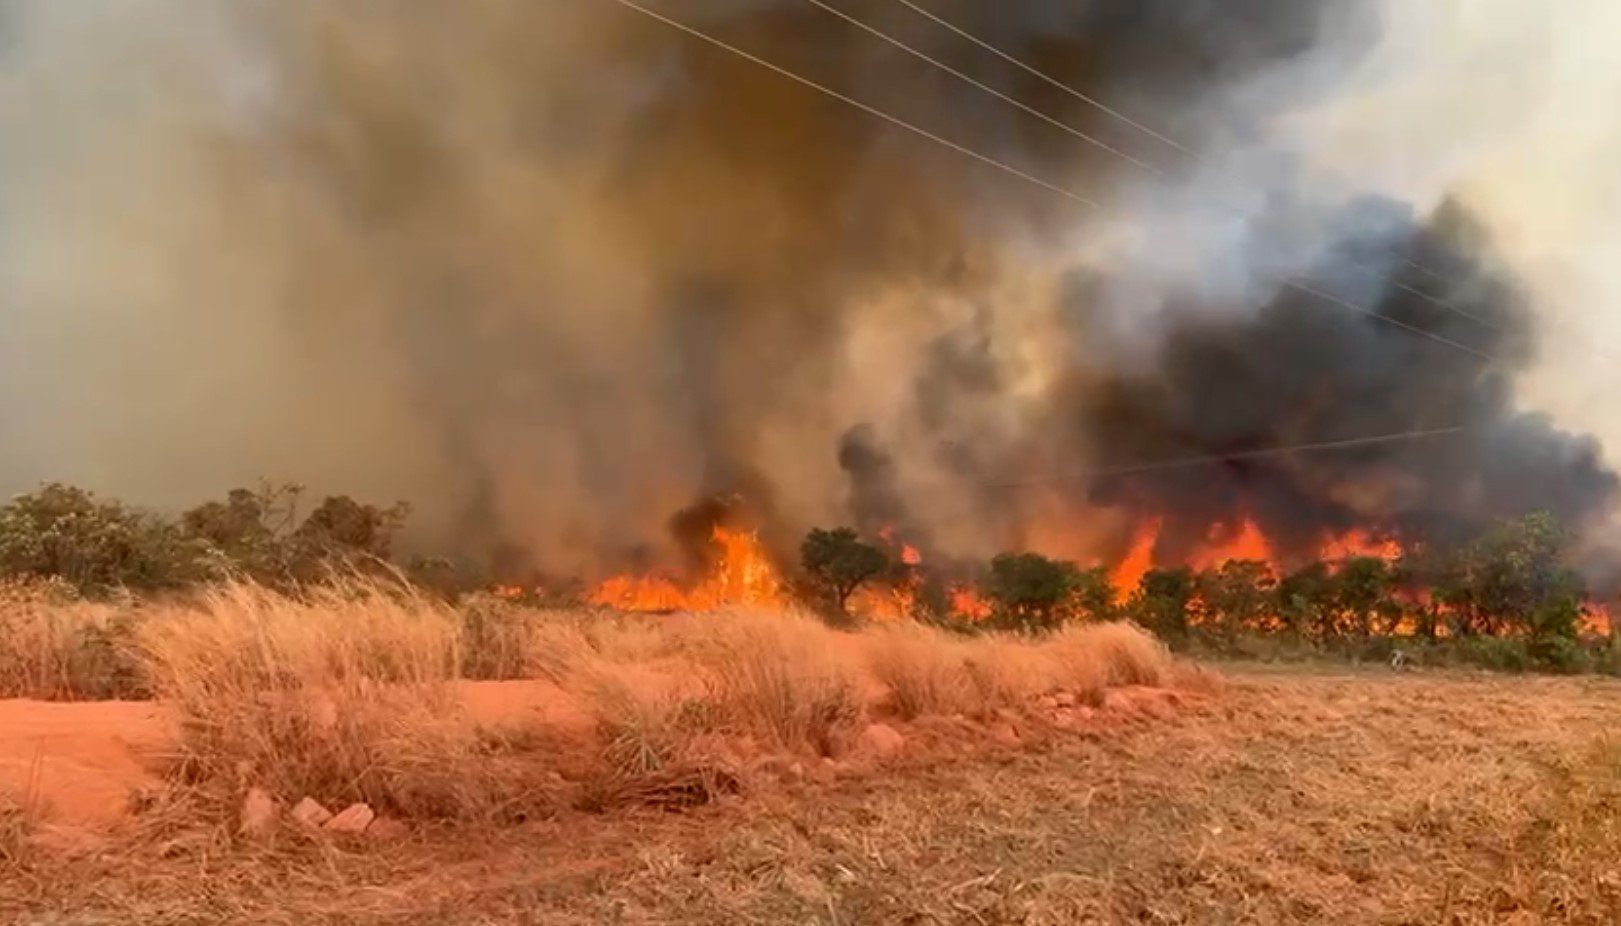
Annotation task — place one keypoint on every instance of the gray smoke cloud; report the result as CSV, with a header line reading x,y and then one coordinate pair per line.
x,y
554,272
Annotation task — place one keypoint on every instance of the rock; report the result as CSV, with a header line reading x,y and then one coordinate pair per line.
x,y
881,739
259,812
1065,698
310,813
352,819
794,772
386,829
1047,703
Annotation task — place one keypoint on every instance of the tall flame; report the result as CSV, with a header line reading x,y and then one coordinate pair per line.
x,y
742,574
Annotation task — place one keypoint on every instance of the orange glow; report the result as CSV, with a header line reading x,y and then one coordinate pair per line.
x,y
880,604
743,574
1127,573
1359,543
1597,621
1248,543
967,603
909,555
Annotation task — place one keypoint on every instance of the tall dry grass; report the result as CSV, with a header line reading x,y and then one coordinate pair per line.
x,y
353,691
56,647
929,672
343,694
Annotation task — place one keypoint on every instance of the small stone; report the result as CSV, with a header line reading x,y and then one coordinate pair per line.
x,y
1047,703
352,819
881,739
1065,698
794,772
310,813
387,829
259,812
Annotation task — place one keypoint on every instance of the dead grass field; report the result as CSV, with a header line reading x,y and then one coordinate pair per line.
x,y
1287,797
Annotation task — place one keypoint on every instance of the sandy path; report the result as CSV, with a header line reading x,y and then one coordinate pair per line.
x,y
76,764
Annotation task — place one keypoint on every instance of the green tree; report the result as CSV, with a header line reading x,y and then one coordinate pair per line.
x,y
1031,591
248,531
1305,600
1163,599
1238,596
1093,595
1512,580
342,531
838,562
1364,600
95,545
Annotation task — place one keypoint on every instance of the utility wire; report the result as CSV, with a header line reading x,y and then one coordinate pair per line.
x,y
993,162
1062,126
1207,459
1101,106
870,110
1098,104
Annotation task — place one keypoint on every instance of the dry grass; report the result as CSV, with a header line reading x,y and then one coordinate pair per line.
x,y
54,647
929,672
779,677
353,693
343,696
1344,799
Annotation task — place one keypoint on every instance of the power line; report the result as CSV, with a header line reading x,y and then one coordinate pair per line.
x,y
1098,104
1207,459
1101,106
870,110
1063,126
990,161
1137,162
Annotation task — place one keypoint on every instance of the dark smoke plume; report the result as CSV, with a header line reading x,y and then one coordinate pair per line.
x,y
555,271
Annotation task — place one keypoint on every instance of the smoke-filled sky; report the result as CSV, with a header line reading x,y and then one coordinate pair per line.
x,y
553,271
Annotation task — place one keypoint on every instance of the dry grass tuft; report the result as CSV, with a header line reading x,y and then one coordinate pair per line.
x,y
926,672
342,695
778,676
1092,657
56,647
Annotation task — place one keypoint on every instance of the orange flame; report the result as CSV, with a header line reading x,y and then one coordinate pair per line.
x,y
967,603
743,574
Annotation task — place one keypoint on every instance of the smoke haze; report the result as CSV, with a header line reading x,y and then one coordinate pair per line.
x,y
555,272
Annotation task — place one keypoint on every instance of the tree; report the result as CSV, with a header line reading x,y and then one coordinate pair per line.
x,y
1512,581
1364,596
1305,600
1031,591
248,531
1093,595
839,562
1238,595
1161,602
343,531
93,544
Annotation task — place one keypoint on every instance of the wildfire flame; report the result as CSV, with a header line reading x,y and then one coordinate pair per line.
x,y
742,574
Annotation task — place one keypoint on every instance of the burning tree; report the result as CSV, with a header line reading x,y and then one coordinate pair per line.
x,y
838,562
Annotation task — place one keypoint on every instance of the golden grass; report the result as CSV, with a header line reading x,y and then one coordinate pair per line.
x,y
54,647
352,692
342,695
1346,798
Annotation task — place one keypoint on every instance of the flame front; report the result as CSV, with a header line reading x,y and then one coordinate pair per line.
x,y
742,574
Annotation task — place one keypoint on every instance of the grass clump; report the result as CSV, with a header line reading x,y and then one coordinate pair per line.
x,y
55,646
342,695
780,677
924,671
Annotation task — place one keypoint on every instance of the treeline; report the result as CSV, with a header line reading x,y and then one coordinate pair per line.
x,y
1506,600
96,546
